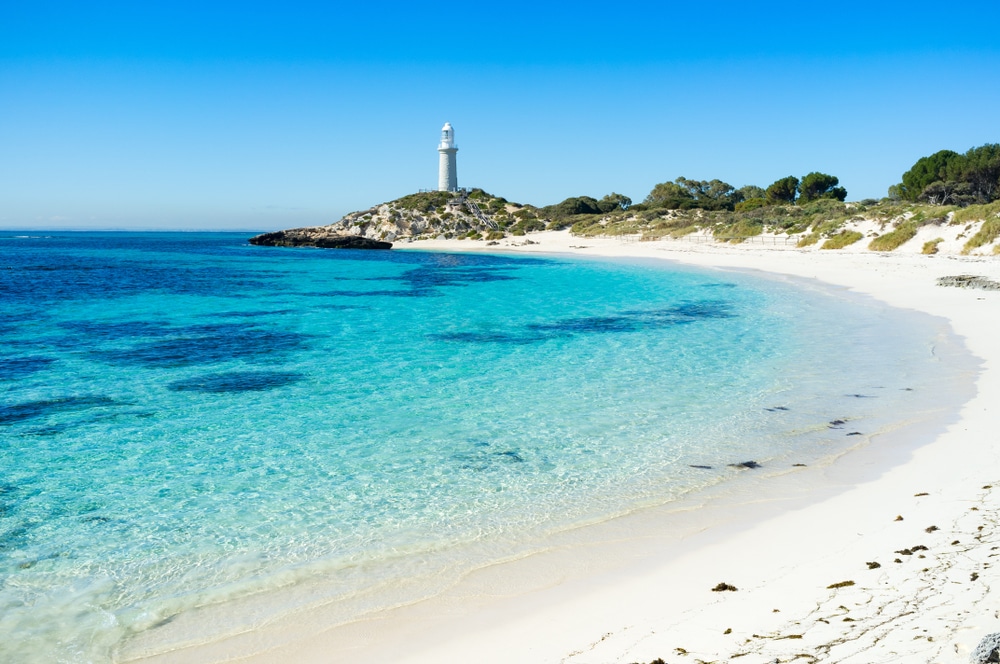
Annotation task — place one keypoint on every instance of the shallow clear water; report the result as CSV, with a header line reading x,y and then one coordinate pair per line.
x,y
186,419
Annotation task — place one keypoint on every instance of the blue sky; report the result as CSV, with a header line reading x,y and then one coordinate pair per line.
x,y
261,115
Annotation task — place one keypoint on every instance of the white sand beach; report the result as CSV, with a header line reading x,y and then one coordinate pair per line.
x,y
884,554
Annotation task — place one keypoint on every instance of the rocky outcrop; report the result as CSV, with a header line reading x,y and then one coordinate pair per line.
x,y
424,215
428,215
969,281
988,650
317,237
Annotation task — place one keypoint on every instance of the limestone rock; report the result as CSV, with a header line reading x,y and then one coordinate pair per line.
x,y
313,237
988,650
969,281
425,215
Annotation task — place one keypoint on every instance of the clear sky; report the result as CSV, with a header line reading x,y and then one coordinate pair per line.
x,y
267,115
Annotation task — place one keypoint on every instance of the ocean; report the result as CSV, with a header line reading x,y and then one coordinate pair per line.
x,y
190,423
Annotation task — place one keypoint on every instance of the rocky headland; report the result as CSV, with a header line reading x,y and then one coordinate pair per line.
x,y
317,237
429,215
825,224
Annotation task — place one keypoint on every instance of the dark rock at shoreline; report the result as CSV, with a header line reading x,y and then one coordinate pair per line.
x,y
745,464
968,281
307,237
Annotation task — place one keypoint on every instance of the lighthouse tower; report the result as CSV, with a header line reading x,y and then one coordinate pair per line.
x,y
447,167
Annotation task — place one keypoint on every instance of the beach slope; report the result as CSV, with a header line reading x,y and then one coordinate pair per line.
x,y
885,553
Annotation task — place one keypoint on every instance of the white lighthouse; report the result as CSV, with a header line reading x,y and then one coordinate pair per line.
x,y
447,167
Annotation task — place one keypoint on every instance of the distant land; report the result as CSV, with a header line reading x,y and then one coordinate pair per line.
x,y
948,201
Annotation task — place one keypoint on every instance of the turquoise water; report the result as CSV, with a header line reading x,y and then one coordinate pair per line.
x,y
186,420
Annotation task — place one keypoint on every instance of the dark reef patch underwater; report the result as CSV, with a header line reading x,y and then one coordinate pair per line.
x,y
237,381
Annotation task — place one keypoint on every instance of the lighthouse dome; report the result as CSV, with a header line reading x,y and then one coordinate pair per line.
x,y
447,137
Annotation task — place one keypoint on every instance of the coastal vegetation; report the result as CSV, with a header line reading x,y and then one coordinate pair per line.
x,y
956,194
947,177
931,246
842,239
989,232
903,233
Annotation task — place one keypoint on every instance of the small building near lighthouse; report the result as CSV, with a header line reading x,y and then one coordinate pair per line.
x,y
447,166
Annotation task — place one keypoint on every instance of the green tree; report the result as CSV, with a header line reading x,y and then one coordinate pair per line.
x,y
927,170
571,206
671,196
783,190
749,191
751,204
820,185
980,168
948,193
613,202
719,192
709,194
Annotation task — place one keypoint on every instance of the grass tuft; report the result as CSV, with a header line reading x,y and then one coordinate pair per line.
x,y
977,213
896,238
931,246
988,232
842,239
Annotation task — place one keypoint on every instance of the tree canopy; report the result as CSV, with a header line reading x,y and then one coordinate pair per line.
x,y
924,172
685,194
587,205
669,195
783,191
947,177
820,185
614,201
750,191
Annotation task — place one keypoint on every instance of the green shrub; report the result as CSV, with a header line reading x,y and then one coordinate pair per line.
x,y
823,206
841,240
587,227
681,232
976,212
740,230
808,240
751,204
558,224
425,201
827,227
902,234
988,232
527,226
931,246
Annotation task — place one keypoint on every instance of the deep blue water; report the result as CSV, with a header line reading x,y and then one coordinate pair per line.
x,y
187,420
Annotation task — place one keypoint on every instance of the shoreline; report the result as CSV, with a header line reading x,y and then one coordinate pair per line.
x,y
781,547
